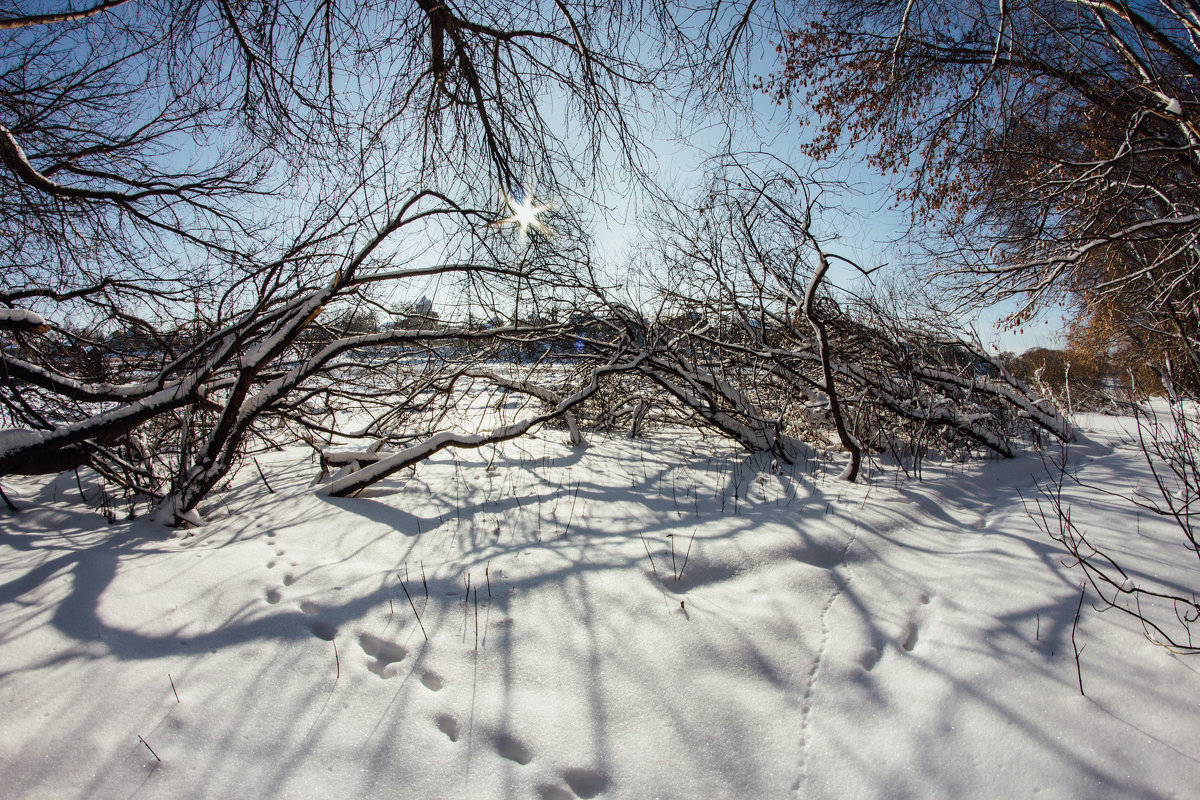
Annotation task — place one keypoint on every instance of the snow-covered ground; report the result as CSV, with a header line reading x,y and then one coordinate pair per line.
x,y
661,618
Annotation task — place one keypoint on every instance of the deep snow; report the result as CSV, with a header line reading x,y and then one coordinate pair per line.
x,y
889,639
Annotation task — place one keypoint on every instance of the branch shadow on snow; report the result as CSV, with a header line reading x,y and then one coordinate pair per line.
x,y
578,520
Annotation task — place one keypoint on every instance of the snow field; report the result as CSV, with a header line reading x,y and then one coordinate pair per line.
x,y
809,638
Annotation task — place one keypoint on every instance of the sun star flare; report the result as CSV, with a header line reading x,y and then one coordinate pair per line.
x,y
525,213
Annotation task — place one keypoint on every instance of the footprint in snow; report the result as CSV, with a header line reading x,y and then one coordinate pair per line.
x,y
274,596
448,725
289,579
309,607
586,783
384,652
432,681
323,630
512,748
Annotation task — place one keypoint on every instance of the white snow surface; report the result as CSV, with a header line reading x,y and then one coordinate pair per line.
x,y
15,438
21,315
891,639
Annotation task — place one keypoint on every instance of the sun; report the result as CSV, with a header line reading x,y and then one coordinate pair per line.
x,y
525,212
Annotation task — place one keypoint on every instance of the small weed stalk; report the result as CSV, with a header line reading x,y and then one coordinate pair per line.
x,y
106,507
414,608
148,747
261,475
173,689
647,546
83,497
685,555
1077,648
571,511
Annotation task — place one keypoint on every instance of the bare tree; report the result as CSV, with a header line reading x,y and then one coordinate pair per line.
x,y
732,346
1056,143
209,202
198,197
1053,140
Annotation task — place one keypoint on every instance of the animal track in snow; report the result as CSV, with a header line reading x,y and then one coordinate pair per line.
x,y
433,682
448,725
384,652
868,658
908,637
274,596
271,564
323,630
289,579
586,783
512,748
309,607
807,702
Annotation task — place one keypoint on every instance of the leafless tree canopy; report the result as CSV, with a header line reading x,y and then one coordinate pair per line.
x,y
1056,146
219,218
1054,141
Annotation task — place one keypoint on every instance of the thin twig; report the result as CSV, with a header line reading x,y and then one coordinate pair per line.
x,y
83,497
685,556
261,475
337,660
647,546
1074,625
148,747
173,689
414,608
